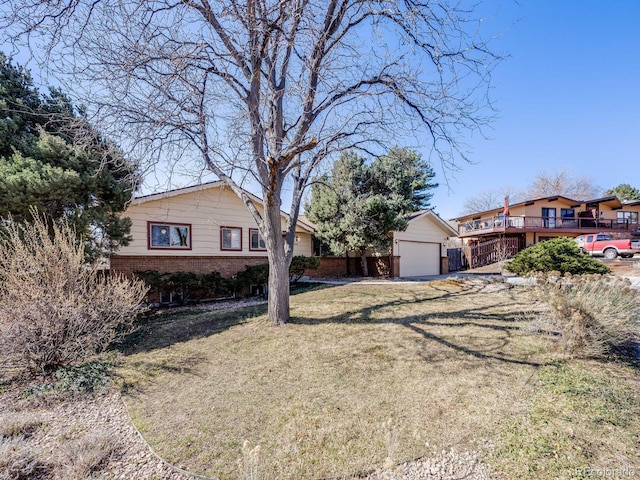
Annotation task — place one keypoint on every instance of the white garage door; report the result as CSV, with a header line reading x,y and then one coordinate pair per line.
x,y
419,258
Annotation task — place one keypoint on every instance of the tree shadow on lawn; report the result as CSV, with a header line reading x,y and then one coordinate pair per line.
x,y
160,330
474,352
163,328
476,317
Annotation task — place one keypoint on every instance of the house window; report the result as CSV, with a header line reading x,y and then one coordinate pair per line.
x,y
549,217
230,238
169,235
627,217
256,242
568,218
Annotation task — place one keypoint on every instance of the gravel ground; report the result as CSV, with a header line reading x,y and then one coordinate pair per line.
x,y
68,431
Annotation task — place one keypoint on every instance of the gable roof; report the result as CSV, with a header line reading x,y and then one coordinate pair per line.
x,y
444,226
208,186
612,201
181,191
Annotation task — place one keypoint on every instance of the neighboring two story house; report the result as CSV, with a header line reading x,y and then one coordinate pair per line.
x,y
526,223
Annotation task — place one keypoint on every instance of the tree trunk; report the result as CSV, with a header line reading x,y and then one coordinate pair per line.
x,y
363,260
278,309
279,254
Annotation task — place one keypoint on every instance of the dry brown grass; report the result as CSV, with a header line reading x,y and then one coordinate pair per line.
x,y
361,374
80,458
368,376
583,421
18,424
18,461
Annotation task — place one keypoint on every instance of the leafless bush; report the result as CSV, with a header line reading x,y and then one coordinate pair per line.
x,y
590,314
23,424
80,458
55,308
18,461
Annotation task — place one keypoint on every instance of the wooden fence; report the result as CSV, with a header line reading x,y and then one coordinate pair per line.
x,y
492,251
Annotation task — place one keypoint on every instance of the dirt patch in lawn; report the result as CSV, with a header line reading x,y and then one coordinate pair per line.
x,y
625,267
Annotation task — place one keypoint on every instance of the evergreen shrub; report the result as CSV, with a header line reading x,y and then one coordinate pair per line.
x,y
560,255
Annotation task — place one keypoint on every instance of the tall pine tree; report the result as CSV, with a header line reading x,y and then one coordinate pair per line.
x,y
53,161
361,204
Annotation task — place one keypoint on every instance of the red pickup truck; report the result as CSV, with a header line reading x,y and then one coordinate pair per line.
x,y
602,244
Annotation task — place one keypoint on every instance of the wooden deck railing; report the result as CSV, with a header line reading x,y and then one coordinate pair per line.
x,y
500,224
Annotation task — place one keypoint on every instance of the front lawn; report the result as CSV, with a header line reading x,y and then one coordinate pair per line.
x,y
368,374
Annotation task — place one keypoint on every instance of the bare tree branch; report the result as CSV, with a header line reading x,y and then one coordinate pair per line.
x,y
265,89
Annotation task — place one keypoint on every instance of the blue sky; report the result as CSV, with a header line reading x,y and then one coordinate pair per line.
x,y
568,97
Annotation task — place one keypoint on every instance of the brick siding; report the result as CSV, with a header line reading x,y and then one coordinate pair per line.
x,y
337,267
227,266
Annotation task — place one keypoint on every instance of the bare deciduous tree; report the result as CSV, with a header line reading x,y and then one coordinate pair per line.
x,y
264,90
563,183
489,199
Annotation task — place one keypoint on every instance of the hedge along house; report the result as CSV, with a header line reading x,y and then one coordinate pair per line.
x,y
517,226
197,229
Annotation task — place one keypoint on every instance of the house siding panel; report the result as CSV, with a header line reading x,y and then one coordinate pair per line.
x,y
419,250
206,210
422,230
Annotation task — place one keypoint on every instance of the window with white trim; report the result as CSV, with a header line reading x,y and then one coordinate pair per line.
x,y
169,235
230,238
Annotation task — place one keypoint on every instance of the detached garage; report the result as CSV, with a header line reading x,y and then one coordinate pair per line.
x,y
418,251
